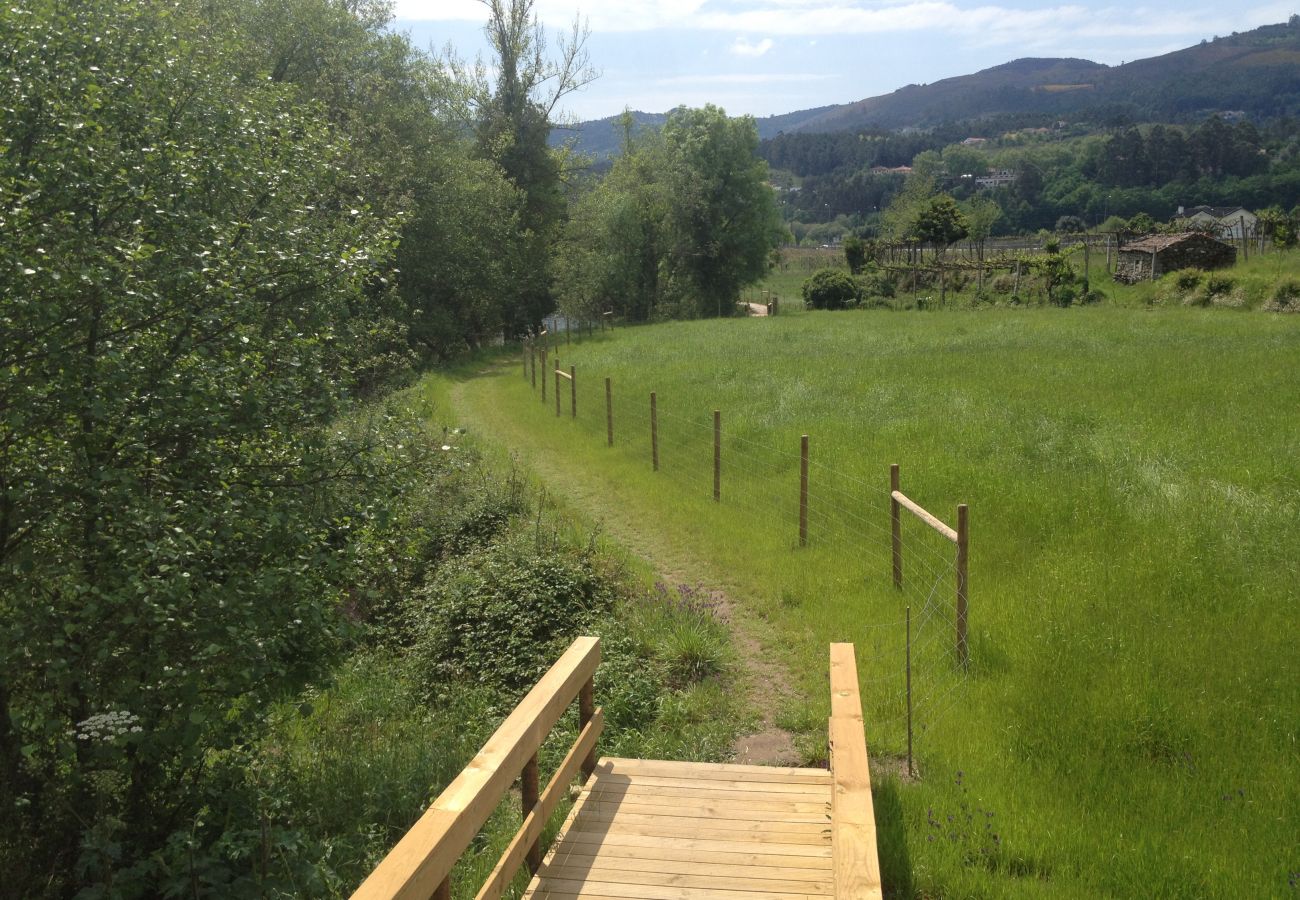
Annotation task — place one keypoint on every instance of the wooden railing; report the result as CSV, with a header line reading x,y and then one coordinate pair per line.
x,y
421,863
853,818
960,536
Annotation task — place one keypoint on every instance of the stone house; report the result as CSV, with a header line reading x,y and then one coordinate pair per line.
x,y
1150,257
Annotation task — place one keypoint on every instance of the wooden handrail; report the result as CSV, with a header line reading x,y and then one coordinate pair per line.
x,y
853,818
925,516
421,862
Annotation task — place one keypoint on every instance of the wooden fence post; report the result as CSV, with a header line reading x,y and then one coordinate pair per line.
x,y
544,355
803,491
609,412
532,357
654,432
717,456
573,392
557,389
963,549
896,525
523,352
529,790
587,709
444,890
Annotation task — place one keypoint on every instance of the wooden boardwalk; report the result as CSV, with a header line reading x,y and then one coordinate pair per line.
x,y
648,829
674,830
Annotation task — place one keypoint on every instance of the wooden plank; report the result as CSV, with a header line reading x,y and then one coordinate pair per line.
x,y
853,819
718,812
678,819
607,838
740,879
785,800
665,854
702,786
531,830
846,701
924,515
711,771
554,886
701,830
426,853
817,880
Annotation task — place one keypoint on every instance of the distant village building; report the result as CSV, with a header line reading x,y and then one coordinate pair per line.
x,y
974,141
996,179
887,170
1149,258
1227,221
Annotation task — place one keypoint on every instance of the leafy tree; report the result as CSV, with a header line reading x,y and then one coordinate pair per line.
x,y
941,222
183,252
855,253
724,217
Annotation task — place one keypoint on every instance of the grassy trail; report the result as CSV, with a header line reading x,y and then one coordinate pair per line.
x,y
764,677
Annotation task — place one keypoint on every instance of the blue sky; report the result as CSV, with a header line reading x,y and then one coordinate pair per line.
x,y
764,57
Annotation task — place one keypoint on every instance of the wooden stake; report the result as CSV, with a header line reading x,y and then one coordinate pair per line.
x,y
529,789
654,432
1245,244
717,456
573,392
557,391
523,352
803,491
909,692
896,525
963,550
544,354
609,412
587,709
532,357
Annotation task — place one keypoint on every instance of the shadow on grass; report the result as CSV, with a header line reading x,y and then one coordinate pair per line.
x,y
891,840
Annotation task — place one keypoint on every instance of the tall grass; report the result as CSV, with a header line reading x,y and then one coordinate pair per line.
x,y
1131,717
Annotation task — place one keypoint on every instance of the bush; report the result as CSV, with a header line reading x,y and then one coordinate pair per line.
x,y
502,615
830,289
1286,296
1186,280
875,286
1003,284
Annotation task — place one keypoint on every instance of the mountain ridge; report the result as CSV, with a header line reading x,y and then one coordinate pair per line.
x,y
1256,73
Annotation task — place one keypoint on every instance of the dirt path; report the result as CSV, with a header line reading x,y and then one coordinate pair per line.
x,y
766,682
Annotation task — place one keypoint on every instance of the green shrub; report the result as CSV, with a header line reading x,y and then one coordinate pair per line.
x,y
1186,280
830,289
1003,284
502,615
1286,296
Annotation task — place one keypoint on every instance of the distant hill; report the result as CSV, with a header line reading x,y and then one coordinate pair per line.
x,y
1254,72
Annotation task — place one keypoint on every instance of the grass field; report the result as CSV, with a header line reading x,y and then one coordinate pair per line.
x,y
1130,719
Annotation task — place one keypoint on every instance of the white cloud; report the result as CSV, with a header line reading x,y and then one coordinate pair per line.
x,y
743,47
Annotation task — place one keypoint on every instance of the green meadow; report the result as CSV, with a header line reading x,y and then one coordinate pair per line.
x,y
1128,722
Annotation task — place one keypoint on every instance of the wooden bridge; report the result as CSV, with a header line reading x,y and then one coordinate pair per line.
x,y
651,830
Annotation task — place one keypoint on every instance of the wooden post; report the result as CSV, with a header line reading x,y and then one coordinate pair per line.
x,y
587,709
523,352
544,355
909,692
654,432
803,491
1245,244
573,392
1108,254
896,525
568,331
444,890
529,789
1086,244
963,549
717,456
532,357
609,412
557,391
